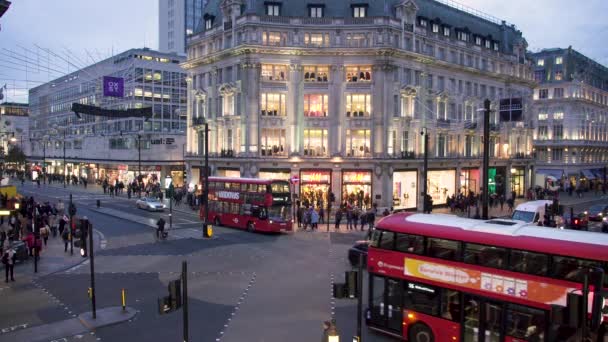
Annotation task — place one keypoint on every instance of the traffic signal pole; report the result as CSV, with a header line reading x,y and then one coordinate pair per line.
x,y
485,194
185,298
92,263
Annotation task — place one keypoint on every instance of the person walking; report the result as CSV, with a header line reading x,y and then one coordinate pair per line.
x,y
338,218
314,219
44,233
160,230
65,235
8,259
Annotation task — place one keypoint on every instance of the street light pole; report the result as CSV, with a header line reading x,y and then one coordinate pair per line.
x,y
486,159
139,155
425,173
206,189
65,167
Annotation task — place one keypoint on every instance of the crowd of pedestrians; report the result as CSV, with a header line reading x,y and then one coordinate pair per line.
x,y
354,217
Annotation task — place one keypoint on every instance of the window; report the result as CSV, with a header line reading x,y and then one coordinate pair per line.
x,y
543,93
272,38
228,104
558,60
316,39
478,41
443,249
543,132
359,11
272,104
410,243
446,31
273,9
540,62
387,240
315,142
358,105
272,142
568,268
496,46
316,105
358,142
208,24
358,74
488,256
423,22
435,28
529,262
558,93
422,298
407,106
543,116
315,11
558,116
356,40
559,75
527,324
316,74
272,72
450,305
488,44
463,36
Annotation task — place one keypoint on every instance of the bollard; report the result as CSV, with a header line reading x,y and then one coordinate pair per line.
x,y
98,203
124,300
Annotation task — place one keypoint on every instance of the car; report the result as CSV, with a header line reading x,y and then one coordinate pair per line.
x,y
580,221
150,204
359,248
597,212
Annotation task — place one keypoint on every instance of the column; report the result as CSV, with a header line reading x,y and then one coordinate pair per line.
x,y
295,110
336,132
420,170
189,116
379,108
251,96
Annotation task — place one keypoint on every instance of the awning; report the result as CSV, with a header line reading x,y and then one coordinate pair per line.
x,y
557,174
588,174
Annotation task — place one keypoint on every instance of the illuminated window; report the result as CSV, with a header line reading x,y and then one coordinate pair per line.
x,y
488,44
316,39
358,74
540,62
358,105
559,75
558,60
543,116
495,46
272,38
558,116
407,106
208,24
316,73
478,41
272,104
358,142
423,22
356,40
316,105
435,28
273,9
463,36
272,142
359,11
272,72
315,142
228,105
315,11
446,31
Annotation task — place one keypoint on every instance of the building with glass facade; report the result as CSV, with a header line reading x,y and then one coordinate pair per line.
x,y
98,147
177,20
571,117
337,94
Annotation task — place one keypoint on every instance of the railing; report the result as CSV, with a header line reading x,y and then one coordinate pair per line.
x,y
408,27
198,121
274,19
227,153
317,21
470,125
359,21
443,123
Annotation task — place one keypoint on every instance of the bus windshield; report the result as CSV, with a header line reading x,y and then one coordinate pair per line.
x,y
280,213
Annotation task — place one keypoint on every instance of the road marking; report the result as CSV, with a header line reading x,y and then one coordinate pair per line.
x,y
13,328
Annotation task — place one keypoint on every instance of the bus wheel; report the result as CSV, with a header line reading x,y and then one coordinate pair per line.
x,y
420,333
250,227
217,222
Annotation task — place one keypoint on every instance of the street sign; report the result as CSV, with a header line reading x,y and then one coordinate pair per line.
x,y
294,179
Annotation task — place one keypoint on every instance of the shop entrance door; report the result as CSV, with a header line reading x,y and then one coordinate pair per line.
x,y
482,320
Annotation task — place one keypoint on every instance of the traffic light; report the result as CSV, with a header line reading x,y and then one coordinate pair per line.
x,y
72,209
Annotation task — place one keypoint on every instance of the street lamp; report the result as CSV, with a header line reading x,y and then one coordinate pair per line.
x,y
486,158
425,203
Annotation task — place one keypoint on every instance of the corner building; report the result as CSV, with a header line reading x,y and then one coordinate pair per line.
x,y
337,93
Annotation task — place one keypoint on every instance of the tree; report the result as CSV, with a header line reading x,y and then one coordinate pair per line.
x,y
15,155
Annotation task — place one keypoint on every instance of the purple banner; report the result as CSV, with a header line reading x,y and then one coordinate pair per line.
x,y
113,86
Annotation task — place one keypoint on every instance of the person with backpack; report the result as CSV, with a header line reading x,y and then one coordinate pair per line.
x,y
8,259
65,235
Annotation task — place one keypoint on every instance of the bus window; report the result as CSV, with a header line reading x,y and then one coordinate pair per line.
x,y
443,249
387,241
485,255
410,243
571,268
422,298
525,323
528,262
263,213
450,305
375,239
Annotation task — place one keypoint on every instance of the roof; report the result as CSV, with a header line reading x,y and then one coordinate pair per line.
x,y
581,244
449,12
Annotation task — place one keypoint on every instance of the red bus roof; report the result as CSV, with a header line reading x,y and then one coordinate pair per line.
x,y
514,234
244,180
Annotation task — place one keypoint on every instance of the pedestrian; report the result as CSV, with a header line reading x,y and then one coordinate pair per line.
x,y
65,235
363,219
8,259
511,204
371,219
314,219
322,215
349,218
160,230
501,199
338,218
44,233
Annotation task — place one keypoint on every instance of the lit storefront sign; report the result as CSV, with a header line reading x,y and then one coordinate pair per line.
x,y
316,177
357,177
269,174
405,189
441,185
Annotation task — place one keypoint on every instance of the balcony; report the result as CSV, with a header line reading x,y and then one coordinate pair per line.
x,y
198,121
273,151
408,27
443,123
274,19
227,153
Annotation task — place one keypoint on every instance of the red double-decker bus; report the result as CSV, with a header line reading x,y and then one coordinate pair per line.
x,y
443,278
254,204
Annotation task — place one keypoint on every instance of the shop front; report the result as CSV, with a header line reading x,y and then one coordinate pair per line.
x,y
496,180
278,174
357,188
441,185
517,181
229,172
405,189
176,175
315,186
469,181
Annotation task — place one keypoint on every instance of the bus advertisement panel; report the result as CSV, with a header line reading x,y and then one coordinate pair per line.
x,y
248,203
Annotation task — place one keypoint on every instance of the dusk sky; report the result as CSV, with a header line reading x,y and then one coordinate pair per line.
x,y
87,31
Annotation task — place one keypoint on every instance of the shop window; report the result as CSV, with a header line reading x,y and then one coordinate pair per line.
x,y
358,74
272,72
316,105
357,188
316,73
443,249
316,39
272,104
315,142
272,142
488,256
358,105
405,191
358,142
410,243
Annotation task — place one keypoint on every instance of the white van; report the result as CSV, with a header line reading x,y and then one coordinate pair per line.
x,y
531,211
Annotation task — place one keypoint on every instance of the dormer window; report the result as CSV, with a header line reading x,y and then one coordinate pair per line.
x,y
446,31
359,11
488,44
315,11
495,46
208,21
463,36
273,9
558,60
478,41
435,28
540,62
